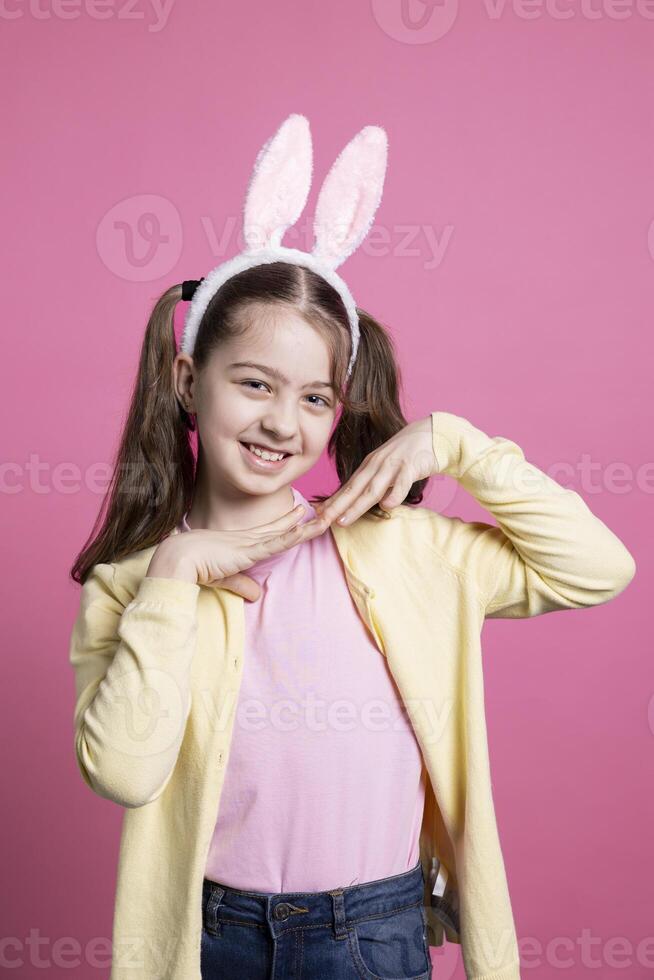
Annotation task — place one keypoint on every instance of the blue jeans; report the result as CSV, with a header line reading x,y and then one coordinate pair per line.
x,y
362,932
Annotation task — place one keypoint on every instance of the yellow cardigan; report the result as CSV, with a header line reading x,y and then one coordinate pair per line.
x,y
158,663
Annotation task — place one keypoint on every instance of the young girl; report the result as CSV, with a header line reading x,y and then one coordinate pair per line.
x,y
305,773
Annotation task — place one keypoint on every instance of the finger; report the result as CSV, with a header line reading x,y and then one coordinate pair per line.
x,y
274,537
314,528
271,544
333,506
285,521
242,585
366,488
398,491
294,535
245,586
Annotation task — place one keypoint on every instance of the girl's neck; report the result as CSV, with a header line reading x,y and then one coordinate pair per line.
x,y
216,511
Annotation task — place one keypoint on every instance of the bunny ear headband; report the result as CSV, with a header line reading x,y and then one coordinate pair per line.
x,y
276,196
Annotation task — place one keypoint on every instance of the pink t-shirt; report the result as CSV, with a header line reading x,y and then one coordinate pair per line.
x,y
325,783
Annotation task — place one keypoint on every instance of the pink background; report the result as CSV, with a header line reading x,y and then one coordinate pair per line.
x,y
521,140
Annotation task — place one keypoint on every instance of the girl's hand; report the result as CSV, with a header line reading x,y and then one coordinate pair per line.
x,y
385,476
218,557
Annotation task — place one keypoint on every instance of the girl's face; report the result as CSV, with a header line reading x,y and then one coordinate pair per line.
x,y
281,400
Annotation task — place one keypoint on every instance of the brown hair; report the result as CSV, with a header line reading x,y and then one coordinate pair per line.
x,y
154,474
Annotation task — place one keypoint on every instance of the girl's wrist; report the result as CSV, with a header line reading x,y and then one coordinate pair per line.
x,y
167,562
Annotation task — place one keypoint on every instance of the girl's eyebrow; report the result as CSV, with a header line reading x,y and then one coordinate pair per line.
x,y
274,373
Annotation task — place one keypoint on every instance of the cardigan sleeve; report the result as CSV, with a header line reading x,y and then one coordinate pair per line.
x,y
548,551
132,683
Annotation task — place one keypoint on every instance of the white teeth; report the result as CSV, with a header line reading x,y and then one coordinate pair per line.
x,y
264,453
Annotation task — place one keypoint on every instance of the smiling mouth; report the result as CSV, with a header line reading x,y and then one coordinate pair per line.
x,y
271,455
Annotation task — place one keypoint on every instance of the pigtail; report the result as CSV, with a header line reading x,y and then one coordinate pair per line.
x,y
154,472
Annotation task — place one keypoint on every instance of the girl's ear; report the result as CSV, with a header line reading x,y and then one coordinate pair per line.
x,y
350,196
279,185
183,374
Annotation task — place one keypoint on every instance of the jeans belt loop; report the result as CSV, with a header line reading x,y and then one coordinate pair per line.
x,y
340,930
214,898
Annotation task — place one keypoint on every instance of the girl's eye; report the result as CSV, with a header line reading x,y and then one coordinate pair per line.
x,y
320,399
252,383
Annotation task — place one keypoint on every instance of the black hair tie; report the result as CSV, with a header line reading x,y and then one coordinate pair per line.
x,y
189,286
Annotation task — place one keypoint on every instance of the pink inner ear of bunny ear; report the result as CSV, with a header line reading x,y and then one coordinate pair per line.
x,y
350,196
279,185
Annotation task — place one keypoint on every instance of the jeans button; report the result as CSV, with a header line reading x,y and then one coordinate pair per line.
x,y
281,911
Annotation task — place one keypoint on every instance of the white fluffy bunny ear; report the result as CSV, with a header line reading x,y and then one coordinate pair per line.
x,y
350,196
279,185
